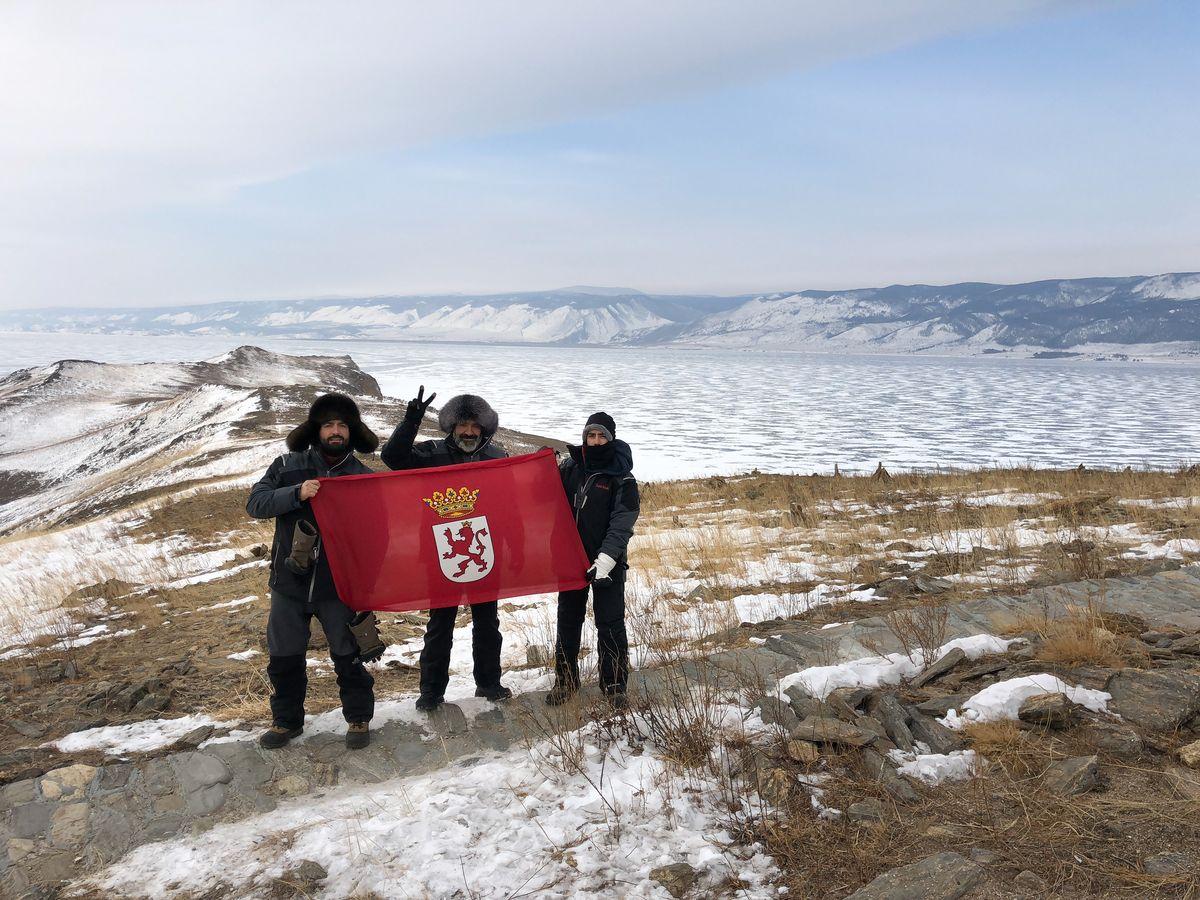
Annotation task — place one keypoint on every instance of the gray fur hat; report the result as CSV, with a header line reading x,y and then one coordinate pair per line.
x,y
468,408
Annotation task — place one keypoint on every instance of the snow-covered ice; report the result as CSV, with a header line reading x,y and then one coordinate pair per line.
x,y
136,737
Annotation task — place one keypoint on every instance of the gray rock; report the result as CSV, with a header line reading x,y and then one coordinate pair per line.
x,y
887,709
939,738
802,703
1189,755
18,792
153,703
1161,700
197,771
878,768
943,876
196,737
245,760
1069,777
30,820
1189,645
1169,863
676,878
207,800
1031,885
309,872
158,777
927,584
1116,740
69,824
51,869
865,811
25,729
828,730
774,711
983,856
939,706
939,668
114,776
448,719
1049,710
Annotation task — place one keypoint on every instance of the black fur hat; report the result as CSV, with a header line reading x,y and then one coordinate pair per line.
x,y
468,408
326,408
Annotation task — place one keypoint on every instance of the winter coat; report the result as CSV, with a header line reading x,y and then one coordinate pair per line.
x,y
277,496
401,451
606,501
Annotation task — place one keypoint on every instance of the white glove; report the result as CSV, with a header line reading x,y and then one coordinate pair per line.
x,y
601,568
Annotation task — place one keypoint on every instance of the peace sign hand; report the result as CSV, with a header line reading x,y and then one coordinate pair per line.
x,y
417,406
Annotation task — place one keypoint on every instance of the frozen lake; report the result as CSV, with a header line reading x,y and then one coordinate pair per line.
x,y
701,412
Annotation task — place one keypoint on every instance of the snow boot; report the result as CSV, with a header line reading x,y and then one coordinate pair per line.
x,y
304,540
277,736
358,735
428,702
497,693
365,628
560,693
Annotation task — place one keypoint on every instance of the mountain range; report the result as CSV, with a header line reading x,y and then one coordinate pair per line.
x,y
1096,317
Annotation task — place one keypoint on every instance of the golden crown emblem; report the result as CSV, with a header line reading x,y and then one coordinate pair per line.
x,y
453,503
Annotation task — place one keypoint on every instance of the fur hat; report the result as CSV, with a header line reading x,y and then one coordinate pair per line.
x,y
468,408
326,408
601,421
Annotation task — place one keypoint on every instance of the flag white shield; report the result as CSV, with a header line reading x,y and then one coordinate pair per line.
x,y
465,549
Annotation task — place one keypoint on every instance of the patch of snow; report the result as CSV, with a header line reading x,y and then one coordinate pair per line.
x,y
934,768
874,671
137,737
245,654
1003,699
501,826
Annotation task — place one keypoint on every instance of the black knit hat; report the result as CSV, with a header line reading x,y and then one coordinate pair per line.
x,y
602,421
324,409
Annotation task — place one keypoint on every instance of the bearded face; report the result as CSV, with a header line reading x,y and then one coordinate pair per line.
x,y
468,436
334,438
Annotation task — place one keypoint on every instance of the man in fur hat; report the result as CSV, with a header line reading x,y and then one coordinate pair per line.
x,y
301,583
469,424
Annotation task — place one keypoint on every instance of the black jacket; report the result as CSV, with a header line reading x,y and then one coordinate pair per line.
x,y
401,451
606,502
277,496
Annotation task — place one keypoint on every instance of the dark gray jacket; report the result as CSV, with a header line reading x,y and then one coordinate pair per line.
x,y
277,496
402,452
606,501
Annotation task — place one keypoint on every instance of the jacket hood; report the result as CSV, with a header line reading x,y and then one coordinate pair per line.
x,y
468,408
621,463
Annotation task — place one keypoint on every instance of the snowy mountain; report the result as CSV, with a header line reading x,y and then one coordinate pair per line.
x,y
1088,315
576,315
1134,315
84,437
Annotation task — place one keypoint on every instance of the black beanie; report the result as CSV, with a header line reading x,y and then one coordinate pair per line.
x,y
603,421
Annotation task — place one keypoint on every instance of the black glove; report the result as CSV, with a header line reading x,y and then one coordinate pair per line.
x,y
417,406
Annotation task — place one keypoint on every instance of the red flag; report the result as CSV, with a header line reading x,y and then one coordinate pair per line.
x,y
426,538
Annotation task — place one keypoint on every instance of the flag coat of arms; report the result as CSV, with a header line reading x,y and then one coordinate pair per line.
x,y
471,533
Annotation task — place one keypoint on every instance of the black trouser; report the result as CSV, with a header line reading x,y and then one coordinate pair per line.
x,y
288,629
608,608
439,639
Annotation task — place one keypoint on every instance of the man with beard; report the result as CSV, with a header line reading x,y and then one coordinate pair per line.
x,y
469,424
301,583
598,479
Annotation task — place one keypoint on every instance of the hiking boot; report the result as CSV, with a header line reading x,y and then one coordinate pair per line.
x,y
358,735
617,699
304,539
278,735
428,703
496,693
559,694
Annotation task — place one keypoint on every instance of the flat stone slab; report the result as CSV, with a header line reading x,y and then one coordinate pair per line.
x,y
943,876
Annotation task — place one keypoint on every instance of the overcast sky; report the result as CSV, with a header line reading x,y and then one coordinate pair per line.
x,y
181,152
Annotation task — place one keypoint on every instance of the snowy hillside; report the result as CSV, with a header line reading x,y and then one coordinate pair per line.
x,y
577,315
1094,317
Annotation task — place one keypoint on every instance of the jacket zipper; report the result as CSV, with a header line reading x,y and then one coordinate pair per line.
x,y
312,579
582,495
